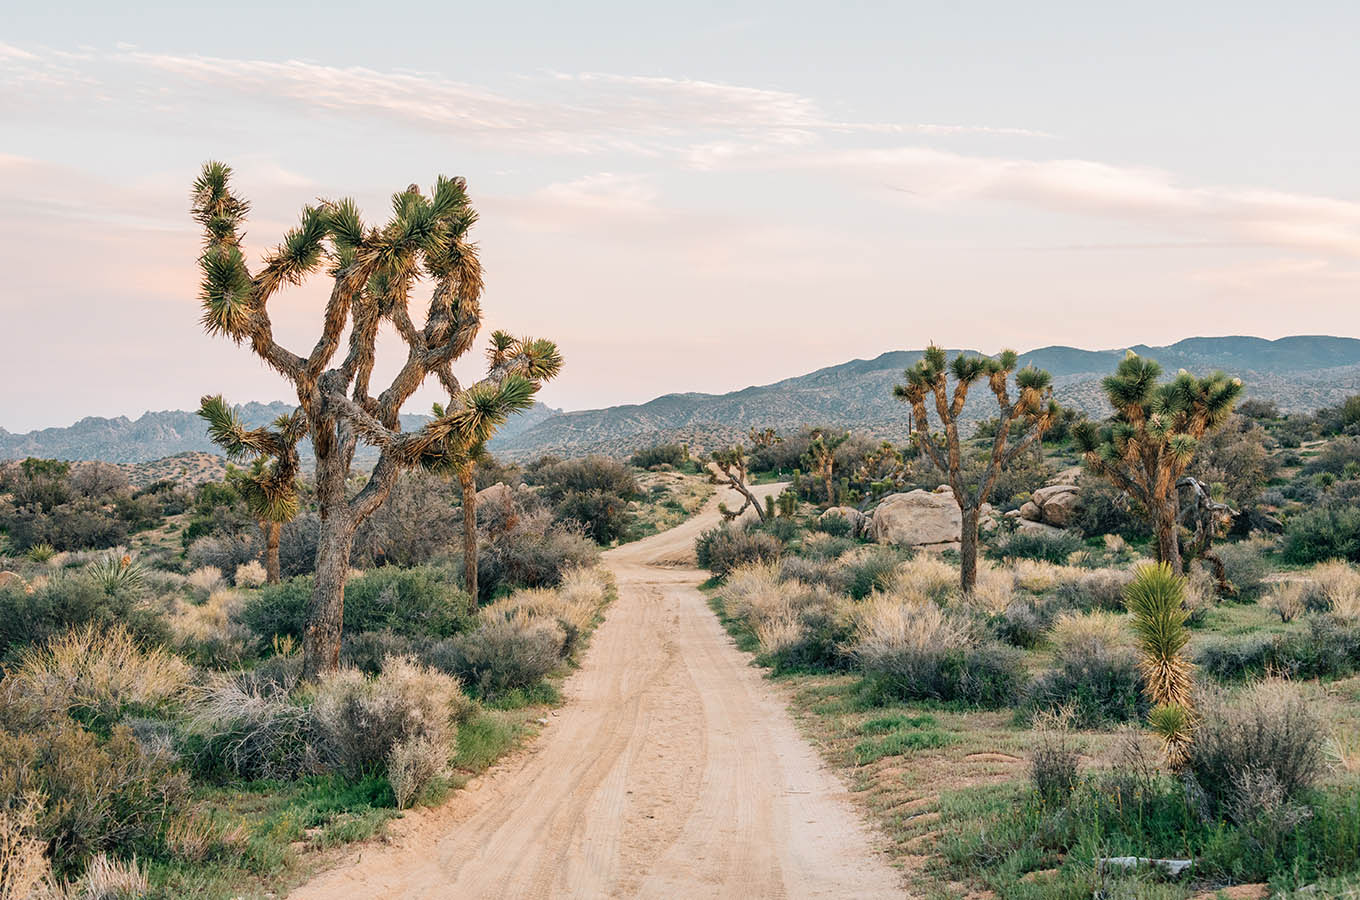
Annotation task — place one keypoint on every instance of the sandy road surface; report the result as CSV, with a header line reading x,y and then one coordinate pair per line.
x,y
672,771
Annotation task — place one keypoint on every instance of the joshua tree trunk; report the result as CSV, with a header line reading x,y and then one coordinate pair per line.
x,y
326,610
968,548
272,532
1168,538
466,478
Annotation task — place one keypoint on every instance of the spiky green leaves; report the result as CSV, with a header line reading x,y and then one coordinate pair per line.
x,y
1156,601
225,291
227,432
214,206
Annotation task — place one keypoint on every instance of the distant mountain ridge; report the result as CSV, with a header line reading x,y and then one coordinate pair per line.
x,y
1299,373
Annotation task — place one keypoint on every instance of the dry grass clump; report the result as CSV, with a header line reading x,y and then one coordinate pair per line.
x,y
805,608
413,765
213,624
250,575
206,579
24,867
106,878
993,592
251,728
1037,575
576,602
754,592
1337,588
100,671
199,839
364,719
1095,589
887,623
1285,599
925,574
1075,632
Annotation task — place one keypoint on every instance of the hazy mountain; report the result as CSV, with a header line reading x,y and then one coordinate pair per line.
x,y
155,435
1299,373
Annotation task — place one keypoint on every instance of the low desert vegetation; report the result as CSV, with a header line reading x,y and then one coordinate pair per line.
x,y
1084,699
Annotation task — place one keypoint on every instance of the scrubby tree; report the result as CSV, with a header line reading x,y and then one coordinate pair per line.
x,y
1152,437
1033,407
1156,600
372,272
269,487
731,463
764,437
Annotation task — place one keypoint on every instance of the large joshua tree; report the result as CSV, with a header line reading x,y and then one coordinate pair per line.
x,y
1033,407
269,486
372,271
1152,438
821,457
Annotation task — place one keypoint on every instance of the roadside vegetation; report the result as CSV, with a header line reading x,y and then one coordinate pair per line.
x,y
1079,709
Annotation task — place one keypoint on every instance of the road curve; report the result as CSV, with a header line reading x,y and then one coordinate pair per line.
x,y
673,770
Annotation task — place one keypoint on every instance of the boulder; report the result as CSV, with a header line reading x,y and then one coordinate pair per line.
x,y
1057,504
1067,476
9,578
1029,526
1031,511
850,514
499,493
916,518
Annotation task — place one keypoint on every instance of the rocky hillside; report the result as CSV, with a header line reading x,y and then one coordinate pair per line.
x,y
1299,373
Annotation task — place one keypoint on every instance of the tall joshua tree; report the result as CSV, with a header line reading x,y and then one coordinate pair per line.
x,y
1156,600
269,486
1152,437
372,271
821,456
1033,407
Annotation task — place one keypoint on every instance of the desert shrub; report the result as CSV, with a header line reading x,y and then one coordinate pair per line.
x,y
297,545
835,525
1323,533
223,552
992,593
1095,675
364,719
206,579
574,604
413,765
601,514
1329,648
1038,576
243,726
911,649
98,675
1104,509
109,878
824,547
24,868
422,601
660,455
589,473
1101,589
724,548
1285,599
1267,733
503,655
798,626
67,601
531,552
366,650
413,527
814,571
1049,546
1023,623
782,528
1245,565
102,794
1053,762
249,575
873,569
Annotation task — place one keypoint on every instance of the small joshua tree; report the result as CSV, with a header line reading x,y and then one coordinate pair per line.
x,y
732,464
765,437
821,457
1156,599
1152,438
372,272
269,486
1033,407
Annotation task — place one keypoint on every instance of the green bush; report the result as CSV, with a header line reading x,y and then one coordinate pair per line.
x,y
871,571
532,553
835,525
601,514
1099,684
660,455
1330,648
73,601
503,655
724,548
1054,547
989,674
1246,567
420,602
1323,533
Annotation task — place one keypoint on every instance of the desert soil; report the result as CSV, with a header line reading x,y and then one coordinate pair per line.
x,y
673,770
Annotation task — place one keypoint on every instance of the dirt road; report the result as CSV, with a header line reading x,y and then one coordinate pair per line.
x,y
672,771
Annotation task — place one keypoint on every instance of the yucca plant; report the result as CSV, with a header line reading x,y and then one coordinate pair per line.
x,y
116,571
1156,601
41,553
1152,438
1032,408
372,271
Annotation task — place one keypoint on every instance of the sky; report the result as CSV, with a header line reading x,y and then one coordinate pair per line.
x,y
686,197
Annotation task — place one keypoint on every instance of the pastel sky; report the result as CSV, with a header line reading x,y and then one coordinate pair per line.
x,y
687,196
